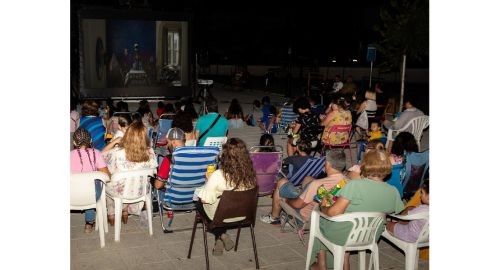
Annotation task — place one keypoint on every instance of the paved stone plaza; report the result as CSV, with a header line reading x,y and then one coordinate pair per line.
x,y
138,250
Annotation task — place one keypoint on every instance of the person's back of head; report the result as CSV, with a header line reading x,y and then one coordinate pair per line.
x,y
376,164
123,121
304,147
81,137
256,104
301,103
90,108
212,105
335,159
404,142
160,105
169,108
266,100
266,140
122,106
375,145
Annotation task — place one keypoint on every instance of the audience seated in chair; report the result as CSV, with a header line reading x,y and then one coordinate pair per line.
x,y
234,114
175,138
404,118
203,125
366,112
369,194
94,124
84,158
409,231
293,163
335,114
235,173
134,152
184,121
303,201
306,127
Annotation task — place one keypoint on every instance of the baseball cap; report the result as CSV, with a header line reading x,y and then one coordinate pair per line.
x,y
176,134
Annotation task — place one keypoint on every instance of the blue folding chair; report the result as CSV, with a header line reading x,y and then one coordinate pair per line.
x,y
163,126
187,172
287,118
313,167
416,167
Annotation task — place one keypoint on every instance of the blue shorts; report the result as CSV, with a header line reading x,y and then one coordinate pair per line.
x,y
289,191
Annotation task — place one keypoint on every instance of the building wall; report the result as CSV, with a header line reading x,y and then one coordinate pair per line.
x,y
358,73
182,27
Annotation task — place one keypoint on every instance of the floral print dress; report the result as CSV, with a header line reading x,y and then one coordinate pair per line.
x,y
339,118
117,162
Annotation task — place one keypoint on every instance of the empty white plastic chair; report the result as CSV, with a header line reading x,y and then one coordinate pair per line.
x,y
135,187
411,249
82,197
215,141
361,237
416,126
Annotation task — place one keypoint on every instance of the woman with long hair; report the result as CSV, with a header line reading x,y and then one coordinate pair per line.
x,y
133,153
234,114
235,173
85,158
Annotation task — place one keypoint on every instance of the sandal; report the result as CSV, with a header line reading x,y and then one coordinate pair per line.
x,y
89,227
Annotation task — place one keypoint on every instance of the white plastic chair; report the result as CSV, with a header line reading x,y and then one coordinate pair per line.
x,y
215,141
416,126
136,188
410,249
361,237
82,197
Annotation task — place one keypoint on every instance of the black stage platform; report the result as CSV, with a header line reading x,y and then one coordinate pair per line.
x,y
138,92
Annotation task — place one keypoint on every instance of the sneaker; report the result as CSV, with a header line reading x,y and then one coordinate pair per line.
x,y
270,220
228,243
218,248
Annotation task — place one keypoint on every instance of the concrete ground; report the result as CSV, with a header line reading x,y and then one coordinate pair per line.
x,y
276,249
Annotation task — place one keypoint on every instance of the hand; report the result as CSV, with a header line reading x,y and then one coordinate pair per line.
x,y
324,202
116,141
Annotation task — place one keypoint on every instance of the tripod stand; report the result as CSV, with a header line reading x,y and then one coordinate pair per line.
x,y
204,84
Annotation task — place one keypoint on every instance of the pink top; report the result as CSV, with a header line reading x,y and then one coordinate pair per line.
x,y
308,194
89,162
409,232
74,115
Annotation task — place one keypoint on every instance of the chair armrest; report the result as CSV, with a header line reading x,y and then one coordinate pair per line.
x,y
421,215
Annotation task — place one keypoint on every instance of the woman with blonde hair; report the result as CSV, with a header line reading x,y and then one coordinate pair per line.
x,y
366,111
235,173
368,194
133,153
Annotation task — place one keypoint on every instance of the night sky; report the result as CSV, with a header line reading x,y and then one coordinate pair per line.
x,y
260,32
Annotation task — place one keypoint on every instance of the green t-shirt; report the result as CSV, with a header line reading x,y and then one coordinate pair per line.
x,y
364,195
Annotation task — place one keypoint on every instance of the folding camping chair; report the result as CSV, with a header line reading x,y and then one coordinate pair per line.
x,y
313,167
416,167
267,166
187,172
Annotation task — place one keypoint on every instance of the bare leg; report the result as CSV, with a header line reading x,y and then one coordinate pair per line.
x,y
275,212
347,265
306,181
290,150
320,263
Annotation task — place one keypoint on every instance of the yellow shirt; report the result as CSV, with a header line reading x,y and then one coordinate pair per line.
x,y
375,135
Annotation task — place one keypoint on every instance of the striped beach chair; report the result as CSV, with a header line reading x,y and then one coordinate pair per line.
x,y
287,118
187,172
313,167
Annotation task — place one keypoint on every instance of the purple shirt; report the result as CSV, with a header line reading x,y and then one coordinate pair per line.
x,y
409,232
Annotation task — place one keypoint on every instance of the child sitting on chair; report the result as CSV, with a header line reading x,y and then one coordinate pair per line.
x,y
375,131
409,231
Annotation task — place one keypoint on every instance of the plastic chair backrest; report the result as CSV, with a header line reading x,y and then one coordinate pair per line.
x,y
267,166
415,126
423,236
187,172
364,229
235,204
416,167
313,167
82,189
135,183
215,141
163,126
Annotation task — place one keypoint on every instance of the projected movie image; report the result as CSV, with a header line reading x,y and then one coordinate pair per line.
x,y
135,53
